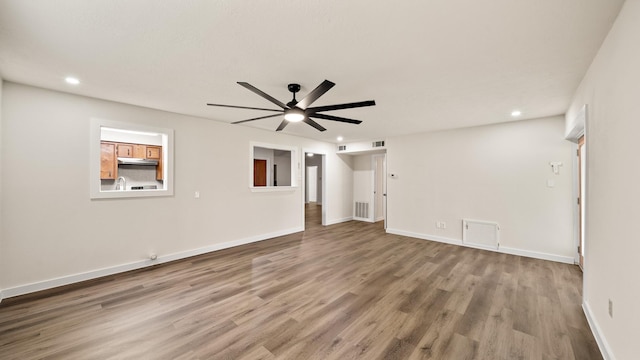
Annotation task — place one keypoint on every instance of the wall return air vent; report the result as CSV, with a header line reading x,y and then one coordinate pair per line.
x,y
342,147
376,144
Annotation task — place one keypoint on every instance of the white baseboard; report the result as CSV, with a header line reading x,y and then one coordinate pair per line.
x,y
605,349
506,250
441,239
363,219
94,274
338,221
538,255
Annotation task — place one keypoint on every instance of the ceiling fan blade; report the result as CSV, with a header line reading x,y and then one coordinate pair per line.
x,y
315,94
257,118
336,118
341,106
314,124
243,107
263,94
282,125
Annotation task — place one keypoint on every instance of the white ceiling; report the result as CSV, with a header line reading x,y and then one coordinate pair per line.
x,y
428,64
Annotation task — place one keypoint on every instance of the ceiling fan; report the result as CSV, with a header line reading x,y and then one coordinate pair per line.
x,y
296,111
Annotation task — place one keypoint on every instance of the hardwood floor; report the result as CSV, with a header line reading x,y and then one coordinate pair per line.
x,y
347,291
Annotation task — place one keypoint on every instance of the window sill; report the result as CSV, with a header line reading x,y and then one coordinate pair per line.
x,y
272,188
111,194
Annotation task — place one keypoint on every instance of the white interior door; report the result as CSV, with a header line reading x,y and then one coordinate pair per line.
x,y
379,187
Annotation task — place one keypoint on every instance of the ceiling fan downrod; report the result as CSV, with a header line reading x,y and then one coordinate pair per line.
x,y
294,88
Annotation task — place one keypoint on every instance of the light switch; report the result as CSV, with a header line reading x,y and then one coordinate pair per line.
x,y
551,183
196,195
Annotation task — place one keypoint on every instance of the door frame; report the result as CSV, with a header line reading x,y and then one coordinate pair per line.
x,y
582,174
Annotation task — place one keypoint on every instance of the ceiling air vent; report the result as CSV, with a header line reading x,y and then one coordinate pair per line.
x,y
342,147
376,144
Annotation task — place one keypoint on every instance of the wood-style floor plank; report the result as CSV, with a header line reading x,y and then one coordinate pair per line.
x,y
346,291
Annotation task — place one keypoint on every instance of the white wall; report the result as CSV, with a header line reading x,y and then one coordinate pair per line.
x,y
52,230
363,182
283,164
340,190
611,89
493,173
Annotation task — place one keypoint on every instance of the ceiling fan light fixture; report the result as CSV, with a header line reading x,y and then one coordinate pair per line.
x,y
294,115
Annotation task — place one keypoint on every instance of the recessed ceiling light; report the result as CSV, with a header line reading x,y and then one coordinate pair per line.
x,y
72,80
310,154
339,138
516,113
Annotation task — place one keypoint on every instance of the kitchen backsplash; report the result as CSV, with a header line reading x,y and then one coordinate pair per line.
x,y
134,176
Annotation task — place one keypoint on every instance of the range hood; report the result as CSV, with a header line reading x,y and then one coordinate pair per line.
x,y
135,161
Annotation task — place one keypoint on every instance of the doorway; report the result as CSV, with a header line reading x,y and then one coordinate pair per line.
x,y
314,190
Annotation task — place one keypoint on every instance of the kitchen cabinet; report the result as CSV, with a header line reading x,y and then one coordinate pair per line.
x,y
111,151
153,152
124,150
159,170
139,151
108,161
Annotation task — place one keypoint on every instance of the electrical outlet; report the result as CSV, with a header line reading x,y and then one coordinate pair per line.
x,y
610,308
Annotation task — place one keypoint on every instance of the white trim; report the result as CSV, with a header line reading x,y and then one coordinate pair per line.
x,y
436,238
272,188
537,255
505,250
369,220
94,274
579,125
605,349
338,221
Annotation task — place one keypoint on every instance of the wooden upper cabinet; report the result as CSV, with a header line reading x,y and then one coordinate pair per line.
x,y
124,150
108,162
153,152
139,151
109,169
